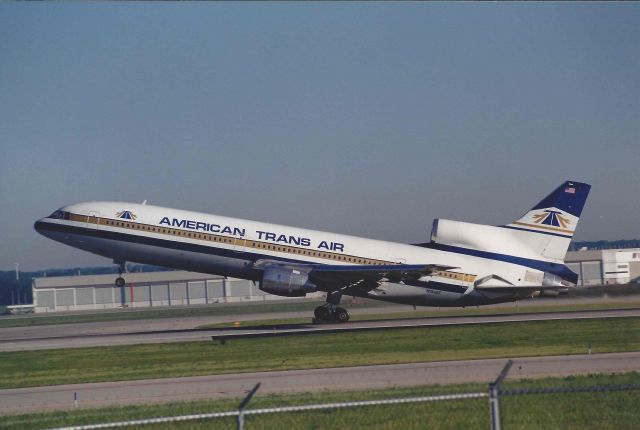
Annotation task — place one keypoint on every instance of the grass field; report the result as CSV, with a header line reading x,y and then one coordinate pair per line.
x,y
62,366
454,312
611,410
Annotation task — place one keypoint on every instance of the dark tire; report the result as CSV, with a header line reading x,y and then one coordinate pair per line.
x,y
120,282
342,315
322,314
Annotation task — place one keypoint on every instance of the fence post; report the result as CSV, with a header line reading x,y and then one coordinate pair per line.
x,y
243,404
494,407
494,396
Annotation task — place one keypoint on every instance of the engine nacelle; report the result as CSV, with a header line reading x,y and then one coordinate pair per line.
x,y
286,281
489,238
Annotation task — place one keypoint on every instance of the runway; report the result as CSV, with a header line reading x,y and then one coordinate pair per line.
x,y
23,400
67,336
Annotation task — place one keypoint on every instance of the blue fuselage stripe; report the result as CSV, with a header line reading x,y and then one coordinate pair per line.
x,y
165,243
537,231
557,269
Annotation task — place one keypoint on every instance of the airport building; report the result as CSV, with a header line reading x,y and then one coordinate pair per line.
x,y
605,266
174,288
178,288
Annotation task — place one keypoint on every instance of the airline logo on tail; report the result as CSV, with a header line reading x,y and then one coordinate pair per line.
x,y
552,218
550,221
558,213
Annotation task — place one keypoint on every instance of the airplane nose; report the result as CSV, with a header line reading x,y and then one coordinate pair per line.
x,y
38,225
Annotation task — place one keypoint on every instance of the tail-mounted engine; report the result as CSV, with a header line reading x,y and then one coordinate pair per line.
x,y
286,281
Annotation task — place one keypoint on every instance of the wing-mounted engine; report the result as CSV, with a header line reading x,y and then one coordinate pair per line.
x,y
488,238
287,281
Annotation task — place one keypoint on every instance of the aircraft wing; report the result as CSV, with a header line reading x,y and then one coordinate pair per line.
x,y
528,291
514,287
524,289
330,277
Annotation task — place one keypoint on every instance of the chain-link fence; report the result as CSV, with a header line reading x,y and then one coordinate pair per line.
x,y
497,408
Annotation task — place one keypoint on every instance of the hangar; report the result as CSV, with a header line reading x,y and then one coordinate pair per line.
x,y
605,266
172,288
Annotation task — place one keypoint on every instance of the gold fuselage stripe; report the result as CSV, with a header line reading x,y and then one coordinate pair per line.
x,y
544,227
250,244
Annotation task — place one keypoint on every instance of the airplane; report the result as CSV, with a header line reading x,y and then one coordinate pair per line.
x,y
463,264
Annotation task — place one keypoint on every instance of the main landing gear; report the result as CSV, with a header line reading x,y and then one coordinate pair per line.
x,y
325,314
121,269
331,312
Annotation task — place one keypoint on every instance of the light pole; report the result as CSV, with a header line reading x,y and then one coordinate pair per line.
x,y
18,280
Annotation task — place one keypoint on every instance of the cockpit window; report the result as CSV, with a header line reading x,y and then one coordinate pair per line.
x,y
59,215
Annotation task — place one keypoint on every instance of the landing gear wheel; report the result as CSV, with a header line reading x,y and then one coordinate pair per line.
x,y
322,314
122,268
342,315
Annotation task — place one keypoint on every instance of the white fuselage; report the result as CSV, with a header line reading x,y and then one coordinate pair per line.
x,y
231,247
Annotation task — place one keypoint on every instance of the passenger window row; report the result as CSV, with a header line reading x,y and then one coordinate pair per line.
x,y
457,276
246,243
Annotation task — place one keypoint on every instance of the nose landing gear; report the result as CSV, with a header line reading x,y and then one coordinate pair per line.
x,y
121,269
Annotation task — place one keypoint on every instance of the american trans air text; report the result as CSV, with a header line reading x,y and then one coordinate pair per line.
x,y
203,226
241,232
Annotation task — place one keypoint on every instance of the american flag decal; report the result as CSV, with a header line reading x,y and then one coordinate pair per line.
x,y
570,190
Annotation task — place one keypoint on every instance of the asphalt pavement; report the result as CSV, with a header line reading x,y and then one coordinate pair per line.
x,y
68,336
24,400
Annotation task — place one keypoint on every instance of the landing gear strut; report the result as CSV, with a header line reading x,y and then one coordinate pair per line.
x,y
121,269
331,312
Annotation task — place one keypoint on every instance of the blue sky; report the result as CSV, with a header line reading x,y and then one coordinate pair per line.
x,y
361,118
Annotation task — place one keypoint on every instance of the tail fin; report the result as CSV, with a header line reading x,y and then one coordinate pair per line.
x,y
555,217
558,213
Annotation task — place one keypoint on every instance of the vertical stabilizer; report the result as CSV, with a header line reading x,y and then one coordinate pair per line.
x,y
553,221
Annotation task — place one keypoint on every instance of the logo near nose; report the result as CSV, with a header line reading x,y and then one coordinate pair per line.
x,y
126,215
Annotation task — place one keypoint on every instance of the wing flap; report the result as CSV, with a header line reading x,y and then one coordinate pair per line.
x,y
335,277
523,290
349,275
